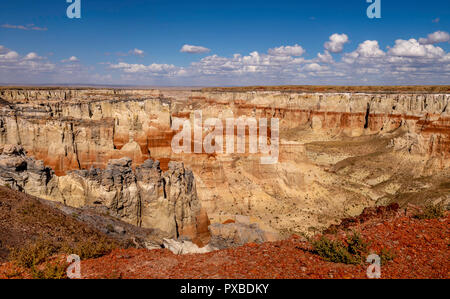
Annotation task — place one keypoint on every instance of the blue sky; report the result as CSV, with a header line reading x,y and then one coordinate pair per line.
x,y
139,42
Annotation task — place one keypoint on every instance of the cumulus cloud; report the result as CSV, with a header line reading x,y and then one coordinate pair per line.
x,y
367,50
315,67
325,57
70,59
24,27
9,56
194,49
254,63
295,50
12,63
137,52
434,38
141,68
336,43
412,48
32,56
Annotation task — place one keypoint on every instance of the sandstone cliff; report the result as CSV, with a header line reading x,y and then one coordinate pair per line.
x,y
146,197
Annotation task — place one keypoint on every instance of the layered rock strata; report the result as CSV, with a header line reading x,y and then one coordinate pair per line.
x,y
146,197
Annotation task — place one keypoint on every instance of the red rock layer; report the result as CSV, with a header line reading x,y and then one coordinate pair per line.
x,y
101,142
419,246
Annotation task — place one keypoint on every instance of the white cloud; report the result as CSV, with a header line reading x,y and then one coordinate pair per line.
x,y
24,27
434,38
325,57
140,68
194,49
370,48
295,50
9,56
70,59
367,50
412,48
336,43
137,52
32,56
315,67
12,63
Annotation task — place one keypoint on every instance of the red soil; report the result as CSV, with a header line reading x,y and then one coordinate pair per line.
x,y
420,248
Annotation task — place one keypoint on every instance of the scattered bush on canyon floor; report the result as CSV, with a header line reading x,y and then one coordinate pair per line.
x,y
350,252
431,212
34,256
51,270
386,255
88,250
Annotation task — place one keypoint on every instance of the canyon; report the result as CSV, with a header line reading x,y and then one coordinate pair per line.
x,y
339,152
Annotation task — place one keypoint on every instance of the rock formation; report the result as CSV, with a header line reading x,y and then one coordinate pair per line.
x,y
146,197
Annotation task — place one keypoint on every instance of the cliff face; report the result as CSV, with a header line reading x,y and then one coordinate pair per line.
x,y
339,152
77,129
423,115
146,197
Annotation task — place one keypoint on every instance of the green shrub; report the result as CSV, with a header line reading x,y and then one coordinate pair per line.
x,y
333,251
338,252
386,255
53,270
356,245
431,212
88,250
33,254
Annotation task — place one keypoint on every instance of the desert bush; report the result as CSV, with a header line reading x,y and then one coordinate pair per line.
x,y
33,254
338,252
51,270
386,255
431,212
36,253
88,250
356,245
333,251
